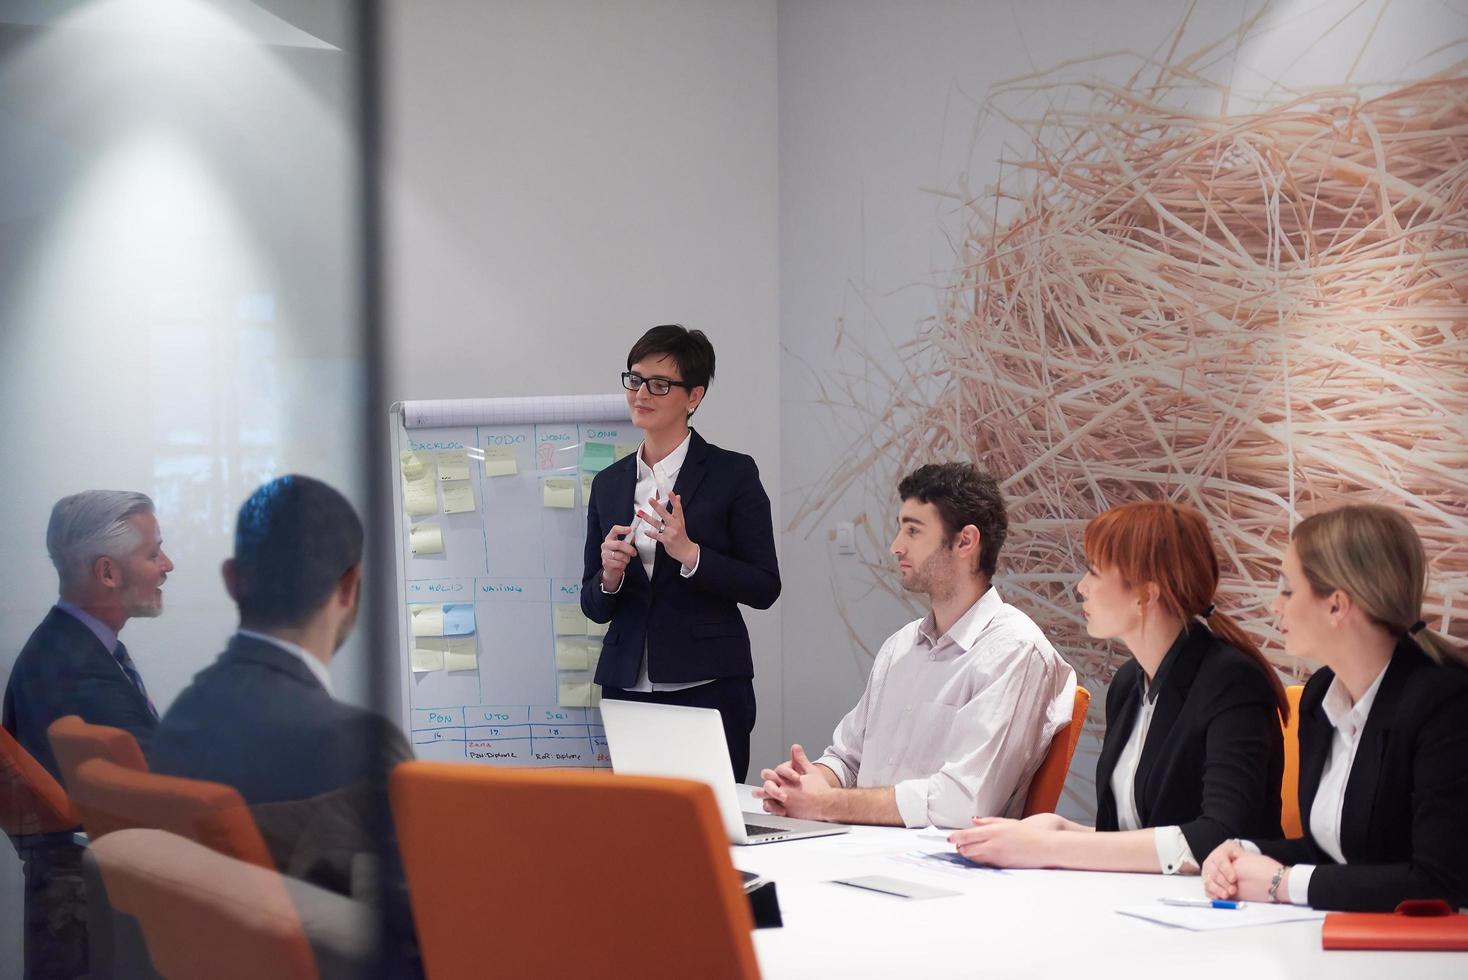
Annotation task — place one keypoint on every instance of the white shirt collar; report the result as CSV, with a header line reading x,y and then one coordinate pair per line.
x,y
1345,717
318,669
965,632
665,471
99,629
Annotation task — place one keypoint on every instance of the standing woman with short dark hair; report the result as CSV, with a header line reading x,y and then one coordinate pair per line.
x,y
678,536
1383,729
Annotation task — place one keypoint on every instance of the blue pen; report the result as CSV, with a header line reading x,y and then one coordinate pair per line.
x,y
1202,903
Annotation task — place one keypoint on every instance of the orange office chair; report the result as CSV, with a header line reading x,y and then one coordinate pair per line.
x,y
1289,790
609,853
211,814
203,914
75,741
1049,779
31,802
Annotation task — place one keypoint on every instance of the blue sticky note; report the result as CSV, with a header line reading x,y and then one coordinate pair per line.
x,y
458,618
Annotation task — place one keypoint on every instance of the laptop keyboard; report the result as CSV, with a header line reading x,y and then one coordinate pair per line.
x,y
754,829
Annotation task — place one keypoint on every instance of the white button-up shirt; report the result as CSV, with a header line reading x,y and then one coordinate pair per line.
x,y
658,481
958,723
1173,852
1349,721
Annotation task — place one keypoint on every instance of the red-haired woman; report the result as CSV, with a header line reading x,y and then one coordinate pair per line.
x,y
1193,751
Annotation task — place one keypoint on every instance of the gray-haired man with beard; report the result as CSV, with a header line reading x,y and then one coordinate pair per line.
x,y
108,553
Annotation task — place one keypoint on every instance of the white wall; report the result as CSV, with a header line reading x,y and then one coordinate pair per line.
x,y
563,176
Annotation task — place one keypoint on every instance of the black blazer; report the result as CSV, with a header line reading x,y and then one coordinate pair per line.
x,y
691,627
1404,823
1214,753
63,669
258,720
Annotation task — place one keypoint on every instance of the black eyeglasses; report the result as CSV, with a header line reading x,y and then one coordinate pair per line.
x,y
658,386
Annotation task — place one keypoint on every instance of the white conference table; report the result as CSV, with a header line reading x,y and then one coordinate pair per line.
x,y
1052,924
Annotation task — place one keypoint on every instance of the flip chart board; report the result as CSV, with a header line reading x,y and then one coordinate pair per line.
x,y
496,659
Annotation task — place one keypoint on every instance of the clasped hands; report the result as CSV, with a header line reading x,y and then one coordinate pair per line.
x,y
1234,872
664,524
797,788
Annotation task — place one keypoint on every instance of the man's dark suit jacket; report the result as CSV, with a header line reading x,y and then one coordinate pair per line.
x,y
65,670
258,720
1214,753
1404,825
312,768
691,627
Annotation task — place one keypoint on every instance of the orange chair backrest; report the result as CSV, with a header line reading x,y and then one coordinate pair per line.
x,y
73,742
202,914
1289,789
1044,794
31,801
211,814
615,855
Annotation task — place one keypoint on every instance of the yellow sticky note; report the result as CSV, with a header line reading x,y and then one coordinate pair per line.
x,y
500,461
624,449
413,465
420,498
596,629
426,659
560,492
453,464
458,497
586,479
575,694
459,653
571,653
427,620
570,621
426,539
420,495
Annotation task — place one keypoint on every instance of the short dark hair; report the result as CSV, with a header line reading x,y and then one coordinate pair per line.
x,y
294,540
689,349
963,495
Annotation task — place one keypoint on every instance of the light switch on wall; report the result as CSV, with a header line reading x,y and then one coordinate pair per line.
x,y
845,538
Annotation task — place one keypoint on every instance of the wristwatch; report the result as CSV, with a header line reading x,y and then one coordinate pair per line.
x,y
1279,874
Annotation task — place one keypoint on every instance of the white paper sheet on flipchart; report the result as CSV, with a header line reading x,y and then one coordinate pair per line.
x,y
1210,919
543,410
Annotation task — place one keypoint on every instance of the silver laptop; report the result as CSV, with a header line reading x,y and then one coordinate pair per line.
x,y
688,743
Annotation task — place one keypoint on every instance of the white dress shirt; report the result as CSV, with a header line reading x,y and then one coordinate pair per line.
x,y
656,480
957,724
1172,847
317,668
1349,721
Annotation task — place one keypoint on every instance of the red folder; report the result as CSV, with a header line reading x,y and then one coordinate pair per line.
x,y
1414,925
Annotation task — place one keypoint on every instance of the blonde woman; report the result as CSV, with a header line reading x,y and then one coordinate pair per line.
x,y
1383,730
